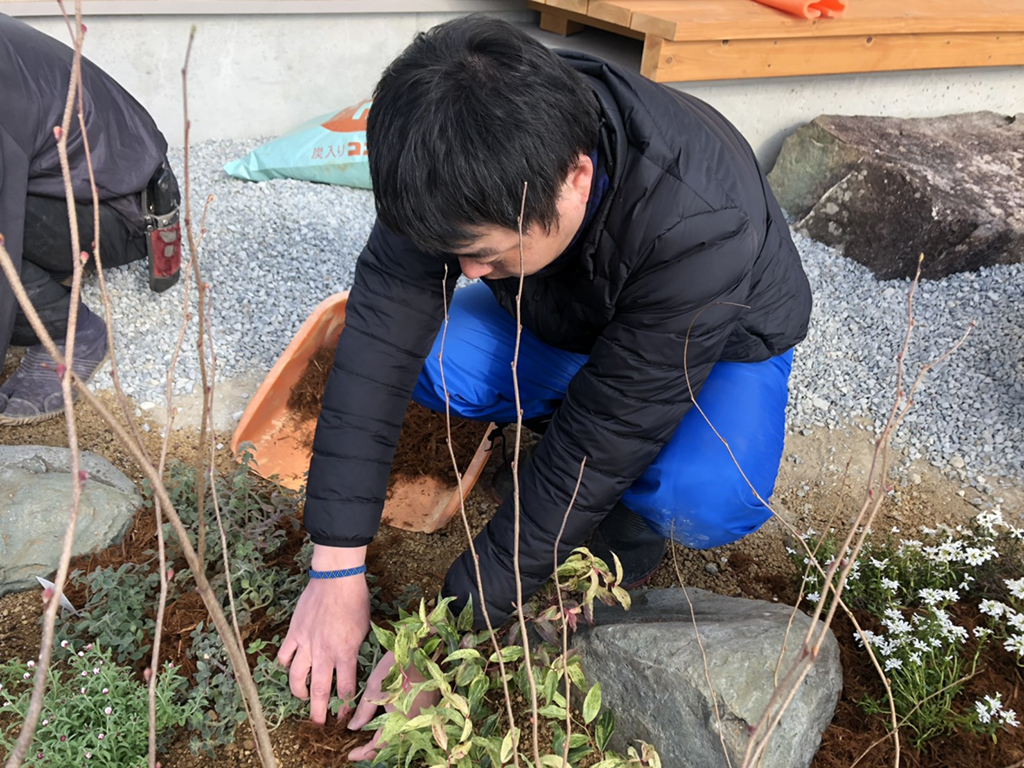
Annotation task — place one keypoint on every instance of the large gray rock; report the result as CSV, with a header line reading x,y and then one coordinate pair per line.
x,y
652,677
35,498
889,189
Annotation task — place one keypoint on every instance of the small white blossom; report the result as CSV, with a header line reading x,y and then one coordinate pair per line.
x,y
993,608
1015,644
894,662
1009,718
879,564
895,529
1016,587
984,716
107,710
30,664
813,597
63,643
890,584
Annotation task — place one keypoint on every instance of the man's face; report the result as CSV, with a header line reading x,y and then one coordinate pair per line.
x,y
494,254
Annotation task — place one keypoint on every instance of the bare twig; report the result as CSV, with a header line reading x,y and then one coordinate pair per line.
x,y
66,374
465,522
534,713
839,570
193,248
154,664
565,623
704,657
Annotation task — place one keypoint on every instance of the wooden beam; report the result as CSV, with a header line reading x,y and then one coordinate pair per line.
x,y
587,21
576,6
668,61
681,20
559,24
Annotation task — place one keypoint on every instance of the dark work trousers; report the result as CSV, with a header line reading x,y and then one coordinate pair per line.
x,y
47,258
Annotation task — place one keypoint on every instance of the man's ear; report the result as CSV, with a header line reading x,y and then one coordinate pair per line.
x,y
580,178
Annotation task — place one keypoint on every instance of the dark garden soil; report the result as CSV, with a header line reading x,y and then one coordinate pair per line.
x,y
422,448
809,494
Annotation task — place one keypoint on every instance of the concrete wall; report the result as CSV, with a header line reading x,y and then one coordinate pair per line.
x,y
251,75
259,75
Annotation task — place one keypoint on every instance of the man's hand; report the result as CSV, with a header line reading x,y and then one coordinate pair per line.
x,y
329,624
373,696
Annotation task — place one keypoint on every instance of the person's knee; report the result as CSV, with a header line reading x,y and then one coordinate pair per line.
x,y
714,512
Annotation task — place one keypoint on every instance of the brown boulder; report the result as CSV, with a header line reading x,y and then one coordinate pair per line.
x,y
888,189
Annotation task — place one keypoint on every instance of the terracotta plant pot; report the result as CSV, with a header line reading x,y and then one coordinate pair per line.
x,y
282,443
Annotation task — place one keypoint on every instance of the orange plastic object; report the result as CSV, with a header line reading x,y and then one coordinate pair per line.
x,y
808,9
282,444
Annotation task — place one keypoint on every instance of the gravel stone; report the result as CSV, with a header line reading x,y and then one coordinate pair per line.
x,y
273,250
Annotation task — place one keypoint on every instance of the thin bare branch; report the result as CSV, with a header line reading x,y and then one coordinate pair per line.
x,y
561,613
534,713
465,522
64,371
704,658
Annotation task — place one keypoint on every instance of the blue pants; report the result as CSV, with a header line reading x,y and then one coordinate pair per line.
x,y
692,491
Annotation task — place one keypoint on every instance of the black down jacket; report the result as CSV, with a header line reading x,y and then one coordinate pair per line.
x,y
687,232
126,145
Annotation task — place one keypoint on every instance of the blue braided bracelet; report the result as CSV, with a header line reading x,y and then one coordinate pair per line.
x,y
337,574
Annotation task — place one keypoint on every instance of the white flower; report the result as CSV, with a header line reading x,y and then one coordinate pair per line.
x,y
107,710
63,643
895,529
1009,717
1016,587
929,596
982,632
975,556
30,664
27,675
993,608
879,564
928,531
1015,620
895,622
915,658
890,584
989,520
984,717
813,597
894,662
1015,644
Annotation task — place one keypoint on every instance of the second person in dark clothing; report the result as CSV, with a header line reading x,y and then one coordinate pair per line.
x,y
138,201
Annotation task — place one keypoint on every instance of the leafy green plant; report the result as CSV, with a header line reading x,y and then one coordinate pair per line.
x,y
116,615
914,590
95,712
468,727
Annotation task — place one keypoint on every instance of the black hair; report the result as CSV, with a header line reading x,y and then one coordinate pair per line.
x,y
471,110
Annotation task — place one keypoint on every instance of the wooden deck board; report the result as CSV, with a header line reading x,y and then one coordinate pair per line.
x,y
724,39
670,61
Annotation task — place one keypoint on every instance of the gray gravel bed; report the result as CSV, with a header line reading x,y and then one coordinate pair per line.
x,y
274,250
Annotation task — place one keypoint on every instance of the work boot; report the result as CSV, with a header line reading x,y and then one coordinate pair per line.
x,y
33,391
640,548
